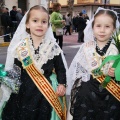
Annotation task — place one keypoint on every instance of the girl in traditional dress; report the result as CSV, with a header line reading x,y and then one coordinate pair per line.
x,y
89,100
35,51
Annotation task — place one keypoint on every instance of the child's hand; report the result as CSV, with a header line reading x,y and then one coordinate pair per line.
x,y
61,90
111,72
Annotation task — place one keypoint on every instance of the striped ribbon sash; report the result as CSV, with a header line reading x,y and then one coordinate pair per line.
x,y
112,87
40,81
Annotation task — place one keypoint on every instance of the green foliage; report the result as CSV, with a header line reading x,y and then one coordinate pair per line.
x,y
97,72
116,38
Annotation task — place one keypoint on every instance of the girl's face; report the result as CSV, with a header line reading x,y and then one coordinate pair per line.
x,y
38,23
103,28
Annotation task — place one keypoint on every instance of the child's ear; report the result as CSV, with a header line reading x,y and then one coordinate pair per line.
x,y
27,26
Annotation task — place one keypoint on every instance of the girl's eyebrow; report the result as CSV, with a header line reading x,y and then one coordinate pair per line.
x,y
34,18
38,18
44,19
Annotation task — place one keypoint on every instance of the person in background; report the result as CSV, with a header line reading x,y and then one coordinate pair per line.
x,y
13,13
64,18
74,21
7,11
86,17
19,15
64,28
58,23
6,23
81,24
68,24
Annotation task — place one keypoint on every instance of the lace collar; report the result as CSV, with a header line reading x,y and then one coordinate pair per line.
x,y
47,50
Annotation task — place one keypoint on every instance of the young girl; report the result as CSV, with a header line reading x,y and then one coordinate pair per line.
x,y
89,100
37,54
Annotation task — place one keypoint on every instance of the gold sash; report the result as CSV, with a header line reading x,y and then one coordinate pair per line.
x,y
40,81
112,87
92,59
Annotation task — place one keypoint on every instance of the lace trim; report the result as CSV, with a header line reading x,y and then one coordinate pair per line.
x,y
95,58
81,64
47,51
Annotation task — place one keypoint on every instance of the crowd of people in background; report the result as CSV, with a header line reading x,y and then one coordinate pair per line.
x,y
65,24
10,21
76,24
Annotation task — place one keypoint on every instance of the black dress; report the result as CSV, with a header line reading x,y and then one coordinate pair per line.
x,y
91,101
29,103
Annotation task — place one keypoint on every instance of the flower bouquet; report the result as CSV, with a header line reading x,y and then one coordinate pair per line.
x,y
112,85
10,78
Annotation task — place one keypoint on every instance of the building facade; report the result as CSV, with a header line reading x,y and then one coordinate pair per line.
x,y
89,6
23,4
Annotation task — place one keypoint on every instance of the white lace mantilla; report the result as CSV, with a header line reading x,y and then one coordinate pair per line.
x,y
47,51
86,60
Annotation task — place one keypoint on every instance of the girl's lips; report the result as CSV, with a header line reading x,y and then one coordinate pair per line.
x,y
39,30
102,36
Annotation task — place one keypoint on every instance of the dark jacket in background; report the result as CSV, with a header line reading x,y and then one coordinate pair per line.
x,y
13,15
81,23
75,21
6,20
18,17
7,24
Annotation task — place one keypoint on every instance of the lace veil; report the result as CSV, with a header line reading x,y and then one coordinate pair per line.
x,y
88,32
78,68
19,35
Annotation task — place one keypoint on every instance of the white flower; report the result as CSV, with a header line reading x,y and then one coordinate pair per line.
x,y
119,37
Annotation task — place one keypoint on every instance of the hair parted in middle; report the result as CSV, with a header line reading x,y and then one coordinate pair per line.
x,y
36,7
106,12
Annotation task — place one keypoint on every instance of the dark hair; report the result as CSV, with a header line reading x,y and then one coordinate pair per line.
x,y
55,6
7,9
36,7
80,14
109,13
68,14
14,7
